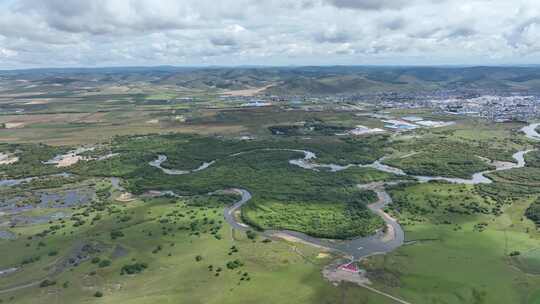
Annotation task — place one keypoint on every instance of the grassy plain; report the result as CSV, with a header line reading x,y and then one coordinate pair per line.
x,y
170,249
460,257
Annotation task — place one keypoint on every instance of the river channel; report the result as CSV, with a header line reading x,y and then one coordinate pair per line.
x,y
384,240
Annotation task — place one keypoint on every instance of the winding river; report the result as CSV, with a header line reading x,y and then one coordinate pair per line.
x,y
530,131
477,178
384,240
163,158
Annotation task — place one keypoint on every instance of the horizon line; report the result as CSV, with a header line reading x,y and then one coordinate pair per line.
x,y
254,66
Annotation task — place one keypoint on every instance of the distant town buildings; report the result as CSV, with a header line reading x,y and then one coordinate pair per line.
x,y
484,104
496,108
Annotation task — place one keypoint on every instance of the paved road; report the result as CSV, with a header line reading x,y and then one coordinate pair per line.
x,y
229,211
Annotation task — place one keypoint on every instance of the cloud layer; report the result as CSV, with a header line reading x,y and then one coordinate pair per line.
x,y
50,33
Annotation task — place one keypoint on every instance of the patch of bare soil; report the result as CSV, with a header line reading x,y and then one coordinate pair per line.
x,y
125,197
323,255
389,234
13,125
8,159
38,101
293,239
246,92
18,121
68,160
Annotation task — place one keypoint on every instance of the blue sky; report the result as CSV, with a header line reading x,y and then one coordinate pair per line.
x,y
60,33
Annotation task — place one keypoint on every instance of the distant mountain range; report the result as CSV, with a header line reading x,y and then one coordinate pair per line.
x,y
308,80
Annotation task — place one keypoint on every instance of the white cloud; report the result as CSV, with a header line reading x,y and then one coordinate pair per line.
x,y
6,53
229,32
368,4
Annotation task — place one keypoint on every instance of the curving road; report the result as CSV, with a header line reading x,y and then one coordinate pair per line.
x,y
229,212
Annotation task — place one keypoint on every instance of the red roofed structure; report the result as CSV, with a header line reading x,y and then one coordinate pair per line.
x,y
351,267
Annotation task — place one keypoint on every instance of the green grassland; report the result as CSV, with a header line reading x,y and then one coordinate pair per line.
x,y
463,266
463,254
186,249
